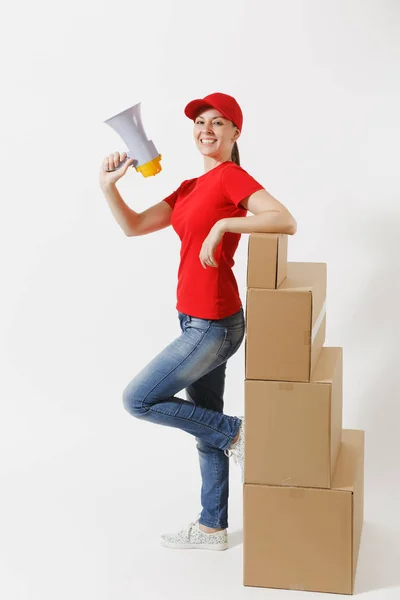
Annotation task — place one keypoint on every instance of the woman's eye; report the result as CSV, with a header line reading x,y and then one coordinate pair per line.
x,y
215,122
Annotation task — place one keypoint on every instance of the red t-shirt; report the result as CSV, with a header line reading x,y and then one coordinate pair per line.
x,y
211,292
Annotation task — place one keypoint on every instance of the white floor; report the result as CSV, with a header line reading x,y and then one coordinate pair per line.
x,y
86,490
84,521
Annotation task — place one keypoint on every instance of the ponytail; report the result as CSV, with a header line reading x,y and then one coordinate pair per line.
x,y
235,154
235,151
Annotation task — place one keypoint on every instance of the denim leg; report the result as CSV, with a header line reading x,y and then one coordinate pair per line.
x,y
208,392
151,395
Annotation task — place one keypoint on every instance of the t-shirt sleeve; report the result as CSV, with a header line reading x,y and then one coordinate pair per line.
x,y
237,184
172,198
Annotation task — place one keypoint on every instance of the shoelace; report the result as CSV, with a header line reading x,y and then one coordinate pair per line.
x,y
231,452
191,525
197,520
235,459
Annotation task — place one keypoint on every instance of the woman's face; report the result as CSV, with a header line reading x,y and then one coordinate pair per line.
x,y
214,134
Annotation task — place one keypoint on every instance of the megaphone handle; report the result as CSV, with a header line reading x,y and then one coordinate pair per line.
x,y
120,165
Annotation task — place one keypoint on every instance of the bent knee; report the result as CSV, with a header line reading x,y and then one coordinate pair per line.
x,y
132,402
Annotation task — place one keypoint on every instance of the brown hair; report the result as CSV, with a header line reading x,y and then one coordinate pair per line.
x,y
235,157
235,154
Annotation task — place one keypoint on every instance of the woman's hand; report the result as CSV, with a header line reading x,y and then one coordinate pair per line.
x,y
210,244
110,162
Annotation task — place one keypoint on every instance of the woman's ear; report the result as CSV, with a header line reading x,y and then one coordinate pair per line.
x,y
236,135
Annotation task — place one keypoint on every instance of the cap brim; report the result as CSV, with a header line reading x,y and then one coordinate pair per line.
x,y
193,108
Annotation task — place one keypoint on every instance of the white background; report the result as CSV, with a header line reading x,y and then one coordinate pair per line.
x,y
86,489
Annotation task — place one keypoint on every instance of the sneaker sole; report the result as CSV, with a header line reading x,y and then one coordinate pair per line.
x,y
195,546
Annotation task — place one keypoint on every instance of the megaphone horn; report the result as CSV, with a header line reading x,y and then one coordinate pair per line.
x,y
128,124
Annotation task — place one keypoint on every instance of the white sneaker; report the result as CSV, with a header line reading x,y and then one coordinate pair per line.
x,y
193,537
237,451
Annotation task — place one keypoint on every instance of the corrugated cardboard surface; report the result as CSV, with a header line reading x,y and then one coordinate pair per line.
x,y
349,476
266,260
329,369
294,429
286,327
307,538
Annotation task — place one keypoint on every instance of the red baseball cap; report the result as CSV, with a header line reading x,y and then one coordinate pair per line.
x,y
226,104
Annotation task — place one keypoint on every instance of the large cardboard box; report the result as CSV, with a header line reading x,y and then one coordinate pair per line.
x,y
294,429
285,328
266,260
307,538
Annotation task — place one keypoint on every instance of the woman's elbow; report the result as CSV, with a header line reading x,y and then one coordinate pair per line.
x,y
291,226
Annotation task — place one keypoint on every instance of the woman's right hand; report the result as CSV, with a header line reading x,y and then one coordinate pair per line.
x,y
110,162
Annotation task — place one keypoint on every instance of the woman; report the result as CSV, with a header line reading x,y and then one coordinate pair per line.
x,y
209,214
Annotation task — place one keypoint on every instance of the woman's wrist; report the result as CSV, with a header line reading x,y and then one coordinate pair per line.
x,y
107,186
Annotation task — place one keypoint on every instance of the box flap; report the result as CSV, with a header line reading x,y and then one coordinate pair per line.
x,y
324,371
303,275
349,460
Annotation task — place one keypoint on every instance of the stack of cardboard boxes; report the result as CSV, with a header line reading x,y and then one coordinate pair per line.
x,y
303,475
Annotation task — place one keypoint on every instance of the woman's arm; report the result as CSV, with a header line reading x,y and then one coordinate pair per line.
x,y
269,216
126,218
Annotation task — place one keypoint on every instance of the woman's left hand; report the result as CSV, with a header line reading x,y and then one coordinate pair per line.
x,y
209,245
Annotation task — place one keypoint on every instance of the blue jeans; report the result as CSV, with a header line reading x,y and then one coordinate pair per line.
x,y
195,361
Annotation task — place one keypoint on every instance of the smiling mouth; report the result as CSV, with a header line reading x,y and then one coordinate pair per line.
x,y
208,142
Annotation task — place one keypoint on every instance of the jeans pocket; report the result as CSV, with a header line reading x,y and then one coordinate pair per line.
x,y
232,338
182,318
200,325
236,346
226,345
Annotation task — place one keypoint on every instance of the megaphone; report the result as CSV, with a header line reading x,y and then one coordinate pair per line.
x,y
128,124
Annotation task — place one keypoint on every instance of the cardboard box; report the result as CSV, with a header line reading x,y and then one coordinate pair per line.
x,y
294,429
266,260
285,328
307,538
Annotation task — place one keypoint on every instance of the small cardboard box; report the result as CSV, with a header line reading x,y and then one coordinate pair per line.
x,y
285,328
266,260
293,430
307,538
